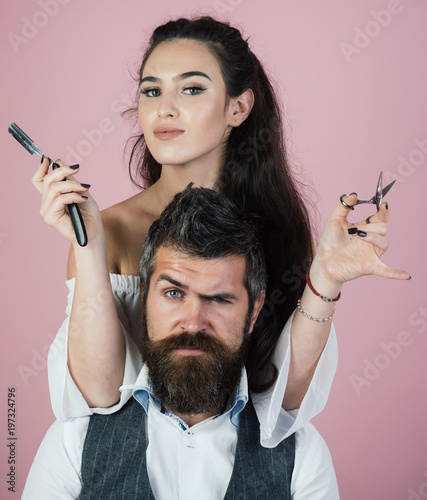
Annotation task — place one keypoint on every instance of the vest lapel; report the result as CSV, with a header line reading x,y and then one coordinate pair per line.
x,y
258,472
114,463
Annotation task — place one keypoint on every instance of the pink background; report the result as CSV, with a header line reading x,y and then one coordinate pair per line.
x,y
351,113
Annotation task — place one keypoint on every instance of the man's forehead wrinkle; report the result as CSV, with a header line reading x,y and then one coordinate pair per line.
x,y
184,275
208,274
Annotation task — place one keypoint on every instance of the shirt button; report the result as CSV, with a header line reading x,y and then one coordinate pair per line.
x,y
191,441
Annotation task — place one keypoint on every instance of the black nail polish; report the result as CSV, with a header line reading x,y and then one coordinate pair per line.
x,y
352,230
75,167
352,193
42,160
55,166
362,234
386,205
85,197
87,186
410,277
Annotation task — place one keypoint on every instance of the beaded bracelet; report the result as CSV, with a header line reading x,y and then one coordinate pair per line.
x,y
320,320
325,299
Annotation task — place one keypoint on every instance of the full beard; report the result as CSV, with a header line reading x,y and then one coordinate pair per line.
x,y
191,385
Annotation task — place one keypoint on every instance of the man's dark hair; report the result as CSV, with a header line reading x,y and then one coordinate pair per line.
x,y
199,222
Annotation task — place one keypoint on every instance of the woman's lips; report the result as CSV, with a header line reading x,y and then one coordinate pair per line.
x,y
165,133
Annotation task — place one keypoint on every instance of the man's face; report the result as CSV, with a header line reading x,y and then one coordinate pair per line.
x,y
196,325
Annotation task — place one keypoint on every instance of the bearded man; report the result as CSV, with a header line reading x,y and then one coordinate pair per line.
x,y
191,430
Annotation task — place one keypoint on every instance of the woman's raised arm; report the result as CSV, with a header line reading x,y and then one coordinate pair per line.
x,y
345,252
96,347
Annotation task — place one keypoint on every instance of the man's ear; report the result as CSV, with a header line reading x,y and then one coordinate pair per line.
x,y
259,302
240,107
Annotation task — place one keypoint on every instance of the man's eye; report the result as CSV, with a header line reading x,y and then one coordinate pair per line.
x,y
173,294
220,300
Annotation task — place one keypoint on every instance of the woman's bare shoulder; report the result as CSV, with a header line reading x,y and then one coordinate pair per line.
x,y
127,215
115,216
125,226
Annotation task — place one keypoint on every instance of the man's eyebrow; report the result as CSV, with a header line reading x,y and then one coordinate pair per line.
x,y
182,76
165,277
220,296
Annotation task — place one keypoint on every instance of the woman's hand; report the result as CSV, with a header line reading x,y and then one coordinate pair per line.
x,y
57,194
343,257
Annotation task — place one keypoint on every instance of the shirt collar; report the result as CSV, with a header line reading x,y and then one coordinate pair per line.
x,y
142,391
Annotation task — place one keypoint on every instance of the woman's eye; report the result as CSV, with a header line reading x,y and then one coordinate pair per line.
x,y
194,90
173,294
150,92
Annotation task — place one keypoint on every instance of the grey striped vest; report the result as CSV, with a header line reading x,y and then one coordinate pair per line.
x,y
114,459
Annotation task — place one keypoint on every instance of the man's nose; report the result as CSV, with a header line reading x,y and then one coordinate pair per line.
x,y
194,317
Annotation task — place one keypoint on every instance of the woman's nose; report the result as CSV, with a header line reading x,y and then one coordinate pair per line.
x,y
167,106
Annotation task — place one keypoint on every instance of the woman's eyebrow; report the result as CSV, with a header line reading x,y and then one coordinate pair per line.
x,y
182,76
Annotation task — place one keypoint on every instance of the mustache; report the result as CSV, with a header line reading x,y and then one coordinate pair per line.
x,y
198,340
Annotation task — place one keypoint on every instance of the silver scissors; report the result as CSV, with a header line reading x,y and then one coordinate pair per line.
x,y
376,199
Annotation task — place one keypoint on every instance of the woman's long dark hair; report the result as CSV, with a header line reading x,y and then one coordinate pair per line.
x,y
255,175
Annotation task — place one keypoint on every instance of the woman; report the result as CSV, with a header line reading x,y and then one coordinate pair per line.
x,y
208,115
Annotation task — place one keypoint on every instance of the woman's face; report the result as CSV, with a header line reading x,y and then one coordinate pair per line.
x,y
182,107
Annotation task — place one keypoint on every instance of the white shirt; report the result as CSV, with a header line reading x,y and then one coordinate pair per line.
x,y
182,463
275,423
